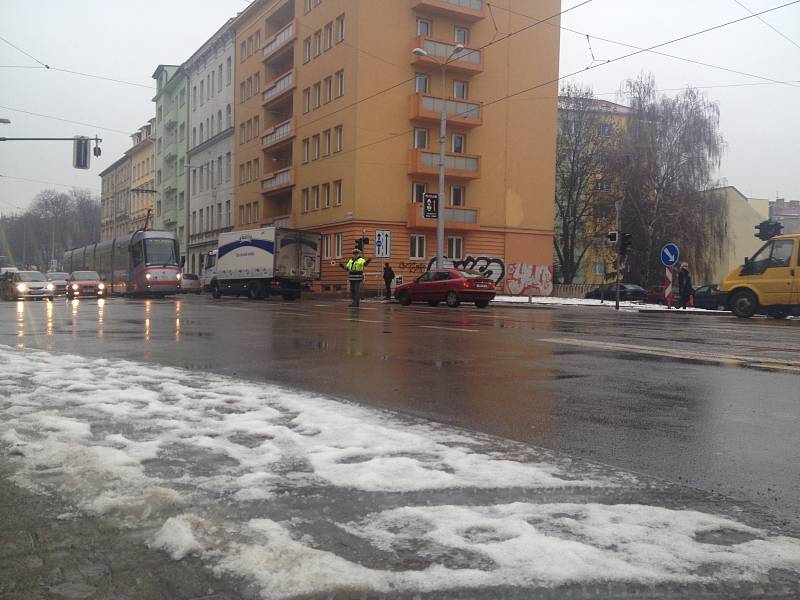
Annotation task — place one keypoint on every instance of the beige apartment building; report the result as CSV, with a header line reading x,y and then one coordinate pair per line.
x,y
115,198
338,130
143,170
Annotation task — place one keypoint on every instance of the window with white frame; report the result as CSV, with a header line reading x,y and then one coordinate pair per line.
x,y
315,196
417,246
307,49
422,83
228,71
461,35
420,137
337,193
423,27
316,148
306,150
318,43
339,129
326,195
457,195
338,245
326,142
455,248
328,36
305,200
328,90
339,83
339,28
460,89
317,94
418,189
307,100
459,143
326,246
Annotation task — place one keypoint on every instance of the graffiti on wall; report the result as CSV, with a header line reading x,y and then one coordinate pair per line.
x,y
412,267
537,278
490,266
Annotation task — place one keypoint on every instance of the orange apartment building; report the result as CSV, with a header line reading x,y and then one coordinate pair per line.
x,y
337,125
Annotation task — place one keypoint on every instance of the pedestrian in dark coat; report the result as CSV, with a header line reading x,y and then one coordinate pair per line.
x,y
685,289
388,278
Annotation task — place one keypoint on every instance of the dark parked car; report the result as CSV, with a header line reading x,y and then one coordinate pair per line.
x,y
627,291
710,298
451,285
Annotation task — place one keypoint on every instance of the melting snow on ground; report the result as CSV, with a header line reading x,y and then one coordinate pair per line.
x,y
265,482
546,300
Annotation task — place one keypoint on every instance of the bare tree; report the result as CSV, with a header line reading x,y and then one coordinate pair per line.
x,y
669,152
586,136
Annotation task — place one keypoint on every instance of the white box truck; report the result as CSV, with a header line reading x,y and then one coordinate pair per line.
x,y
258,263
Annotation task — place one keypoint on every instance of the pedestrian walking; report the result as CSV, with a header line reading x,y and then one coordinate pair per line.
x,y
355,268
685,289
388,278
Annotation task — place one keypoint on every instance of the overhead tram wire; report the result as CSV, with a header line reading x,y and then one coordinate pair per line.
x,y
681,58
25,112
780,33
67,185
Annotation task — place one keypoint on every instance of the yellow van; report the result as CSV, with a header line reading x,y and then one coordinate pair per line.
x,y
768,282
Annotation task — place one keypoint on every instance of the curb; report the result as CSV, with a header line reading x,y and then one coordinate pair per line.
x,y
704,313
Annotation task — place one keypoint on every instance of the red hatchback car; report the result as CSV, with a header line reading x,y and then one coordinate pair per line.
x,y
85,283
451,285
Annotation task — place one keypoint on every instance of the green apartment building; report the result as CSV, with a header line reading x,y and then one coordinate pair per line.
x,y
172,113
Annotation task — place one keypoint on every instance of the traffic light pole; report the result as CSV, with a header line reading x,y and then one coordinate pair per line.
x,y
618,206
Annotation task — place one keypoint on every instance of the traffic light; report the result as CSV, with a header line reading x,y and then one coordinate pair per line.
x,y
624,243
361,242
612,237
768,230
81,152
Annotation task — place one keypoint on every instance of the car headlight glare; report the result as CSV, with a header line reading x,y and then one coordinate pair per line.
x,y
101,286
74,286
22,288
50,287
148,276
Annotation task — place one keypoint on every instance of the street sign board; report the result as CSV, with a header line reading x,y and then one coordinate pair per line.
x,y
670,254
430,205
383,243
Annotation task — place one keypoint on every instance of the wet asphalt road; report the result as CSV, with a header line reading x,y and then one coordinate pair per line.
x,y
706,401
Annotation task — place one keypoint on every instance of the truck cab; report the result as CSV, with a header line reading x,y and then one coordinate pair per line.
x,y
768,282
209,271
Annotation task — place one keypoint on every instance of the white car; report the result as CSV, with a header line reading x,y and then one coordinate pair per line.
x,y
26,285
191,284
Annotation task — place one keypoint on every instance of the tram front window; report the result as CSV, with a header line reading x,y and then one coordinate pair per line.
x,y
160,251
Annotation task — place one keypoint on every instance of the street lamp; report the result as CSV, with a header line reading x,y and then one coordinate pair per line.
x,y
442,141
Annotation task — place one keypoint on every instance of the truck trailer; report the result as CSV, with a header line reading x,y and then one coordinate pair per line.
x,y
258,263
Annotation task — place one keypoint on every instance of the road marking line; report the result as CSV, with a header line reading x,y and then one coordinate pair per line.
x,y
361,321
448,328
725,359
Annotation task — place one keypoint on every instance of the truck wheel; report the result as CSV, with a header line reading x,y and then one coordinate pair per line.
x,y
215,291
452,299
255,291
404,298
744,304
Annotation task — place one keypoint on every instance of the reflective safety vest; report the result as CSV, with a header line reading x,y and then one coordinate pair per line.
x,y
356,268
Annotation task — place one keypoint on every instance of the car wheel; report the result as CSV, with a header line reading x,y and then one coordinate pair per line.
x,y
744,304
452,299
404,298
254,291
481,303
433,303
215,291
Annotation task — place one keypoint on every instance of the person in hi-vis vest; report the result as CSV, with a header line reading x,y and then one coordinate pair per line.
x,y
355,268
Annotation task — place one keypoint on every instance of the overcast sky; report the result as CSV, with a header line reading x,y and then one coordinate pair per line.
x,y
126,41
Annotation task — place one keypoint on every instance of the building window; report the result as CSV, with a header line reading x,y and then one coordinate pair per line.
x,y
455,248
460,89
250,49
307,49
258,39
227,213
317,95
604,129
241,215
241,174
423,27
422,83
242,53
248,171
328,90
329,36
339,28
315,196
308,6
219,119
326,195
318,43
256,125
241,133
202,174
228,116
202,92
326,246
194,136
339,84
337,193
306,150
602,186
241,92
219,78
457,195
194,98
229,72
255,212
461,35
305,200
307,100
417,246
418,189
326,142
212,87
194,183
316,148
257,83
459,143
338,245
420,137
228,166
339,138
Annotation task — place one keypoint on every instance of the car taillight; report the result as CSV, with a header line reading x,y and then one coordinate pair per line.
x,y
468,283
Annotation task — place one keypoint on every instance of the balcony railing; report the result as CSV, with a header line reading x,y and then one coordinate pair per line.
x,y
280,40
279,86
468,61
426,162
455,217
459,112
280,133
278,180
467,10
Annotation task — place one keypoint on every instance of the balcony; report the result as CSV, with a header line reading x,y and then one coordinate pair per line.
x,y
461,10
279,87
277,181
281,40
171,119
171,152
460,113
278,135
467,62
455,218
458,166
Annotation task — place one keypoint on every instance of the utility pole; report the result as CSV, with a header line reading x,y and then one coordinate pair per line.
x,y
618,206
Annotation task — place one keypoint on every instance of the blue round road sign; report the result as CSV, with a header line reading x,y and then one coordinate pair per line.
x,y
670,254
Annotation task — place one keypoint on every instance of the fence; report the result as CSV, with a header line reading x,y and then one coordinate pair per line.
x,y
572,290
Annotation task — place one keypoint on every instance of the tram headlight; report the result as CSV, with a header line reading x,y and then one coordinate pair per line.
x,y
22,288
74,286
178,276
101,286
50,287
148,276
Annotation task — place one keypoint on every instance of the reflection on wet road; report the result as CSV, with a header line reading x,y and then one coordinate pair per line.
x,y
667,396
